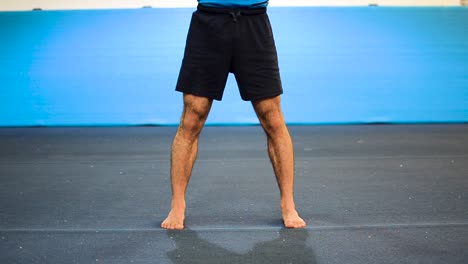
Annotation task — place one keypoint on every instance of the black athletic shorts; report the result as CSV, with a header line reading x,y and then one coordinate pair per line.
x,y
223,40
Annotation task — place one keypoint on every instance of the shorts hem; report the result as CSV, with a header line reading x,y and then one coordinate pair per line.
x,y
263,96
209,96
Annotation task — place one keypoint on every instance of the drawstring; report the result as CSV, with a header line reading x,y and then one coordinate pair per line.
x,y
235,15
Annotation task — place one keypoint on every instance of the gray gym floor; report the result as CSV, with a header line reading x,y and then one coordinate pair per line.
x,y
370,194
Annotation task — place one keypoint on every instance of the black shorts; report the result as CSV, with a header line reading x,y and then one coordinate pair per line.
x,y
223,40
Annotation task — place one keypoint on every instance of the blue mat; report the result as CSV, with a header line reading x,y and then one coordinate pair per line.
x,y
338,65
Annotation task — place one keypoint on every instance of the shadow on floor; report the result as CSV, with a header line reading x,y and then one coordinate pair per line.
x,y
290,247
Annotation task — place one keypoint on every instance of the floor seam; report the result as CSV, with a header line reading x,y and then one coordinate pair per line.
x,y
244,228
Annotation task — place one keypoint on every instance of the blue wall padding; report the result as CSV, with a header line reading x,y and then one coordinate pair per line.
x,y
338,65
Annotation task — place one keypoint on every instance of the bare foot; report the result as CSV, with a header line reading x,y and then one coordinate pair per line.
x,y
175,219
291,218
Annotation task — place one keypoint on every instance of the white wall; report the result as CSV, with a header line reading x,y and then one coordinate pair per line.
x,y
92,4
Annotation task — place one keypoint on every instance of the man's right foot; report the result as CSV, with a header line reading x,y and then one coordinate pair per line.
x,y
175,219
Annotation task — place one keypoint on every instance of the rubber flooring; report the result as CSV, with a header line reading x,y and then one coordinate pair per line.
x,y
369,194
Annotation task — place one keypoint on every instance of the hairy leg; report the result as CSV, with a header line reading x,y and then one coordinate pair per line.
x,y
280,150
184,154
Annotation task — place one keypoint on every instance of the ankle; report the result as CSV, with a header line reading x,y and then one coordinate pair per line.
x,y
178,203
288,205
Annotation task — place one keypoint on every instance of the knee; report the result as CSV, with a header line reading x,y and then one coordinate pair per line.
x,y
273,124
192,124
270,116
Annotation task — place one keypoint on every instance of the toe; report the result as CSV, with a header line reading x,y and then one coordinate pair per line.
x,y
300,224
294,224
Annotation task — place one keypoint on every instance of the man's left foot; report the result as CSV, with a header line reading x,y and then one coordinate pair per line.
x,y
291,218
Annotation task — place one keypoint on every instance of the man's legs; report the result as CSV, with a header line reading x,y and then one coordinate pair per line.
x,y
184,153
280,150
